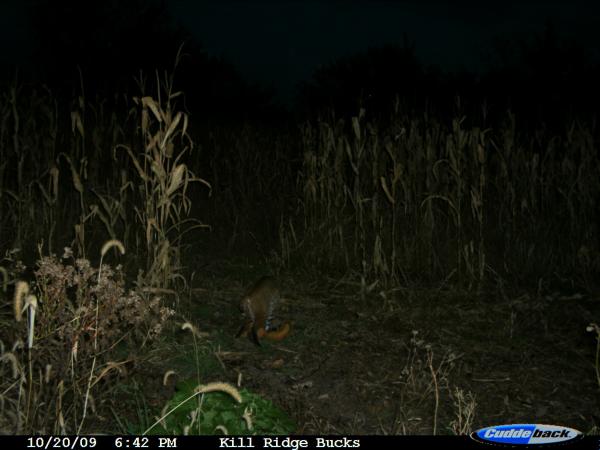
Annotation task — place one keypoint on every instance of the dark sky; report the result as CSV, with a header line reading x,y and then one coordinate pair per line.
x,y
281,42
304,34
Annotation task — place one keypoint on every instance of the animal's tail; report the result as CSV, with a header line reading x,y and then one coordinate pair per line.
x,y
275,335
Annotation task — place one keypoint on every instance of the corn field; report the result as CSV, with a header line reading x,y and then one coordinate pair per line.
x,y
413,201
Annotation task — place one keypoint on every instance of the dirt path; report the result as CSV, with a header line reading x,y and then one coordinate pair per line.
x,y
416,362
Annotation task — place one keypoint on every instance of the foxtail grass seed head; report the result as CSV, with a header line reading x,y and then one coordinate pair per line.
x,y
189,327
21,291
110,244
222,429
12,359
48,373
248,418
167,375
17,345
220,387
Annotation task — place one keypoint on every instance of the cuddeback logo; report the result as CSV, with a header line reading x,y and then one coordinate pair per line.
x,y
525,434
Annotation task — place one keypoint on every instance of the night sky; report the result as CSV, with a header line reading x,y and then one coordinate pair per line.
x,y
305,34
279,43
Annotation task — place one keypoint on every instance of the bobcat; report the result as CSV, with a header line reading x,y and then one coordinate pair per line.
x,y
258,305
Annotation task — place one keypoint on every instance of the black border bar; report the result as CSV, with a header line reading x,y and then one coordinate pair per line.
x,y
267,442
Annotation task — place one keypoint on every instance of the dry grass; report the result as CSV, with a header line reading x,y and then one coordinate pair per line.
x,y
74,335
411,202
417,202
71,179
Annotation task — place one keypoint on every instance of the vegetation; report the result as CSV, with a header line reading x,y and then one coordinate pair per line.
x,y
427,238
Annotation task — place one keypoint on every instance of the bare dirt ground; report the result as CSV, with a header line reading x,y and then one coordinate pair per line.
x,y
408,361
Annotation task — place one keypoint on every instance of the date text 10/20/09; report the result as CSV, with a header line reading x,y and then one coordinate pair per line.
x,y
71,442
84,442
